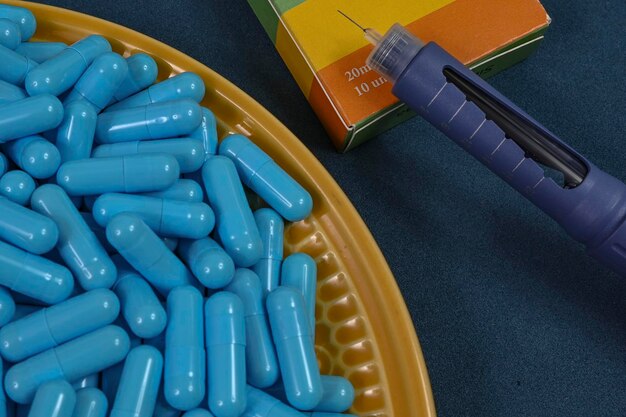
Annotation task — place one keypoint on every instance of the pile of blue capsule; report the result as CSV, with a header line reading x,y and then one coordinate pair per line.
x,y
135,278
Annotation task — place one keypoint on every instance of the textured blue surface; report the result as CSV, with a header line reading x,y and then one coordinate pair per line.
x,y
513,317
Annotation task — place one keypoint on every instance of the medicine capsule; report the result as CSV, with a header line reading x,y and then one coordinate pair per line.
x,y
23,17
72,360
111,375
182,190
10,35
124,174
29,116
13,66
26,229
207,133
75,134
141,308
78,246
182,86
170,242
61,72
90,381
198,412
261,404
226,354
7,307
207,261
33,275
154,121
259,172
188,152
40,51
100,80
35,155
57,324
90,402
296,355
145,252
4,164
23,310
53,399
17,186
165,217
10,93
163,409
235,223
338,394
261,362
139,383
185,366
299,271
271,228
142,72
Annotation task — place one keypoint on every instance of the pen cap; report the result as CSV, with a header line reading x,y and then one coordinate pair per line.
x,y
394,52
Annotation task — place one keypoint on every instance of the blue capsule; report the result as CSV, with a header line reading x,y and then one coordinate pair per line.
x,y
142,72
26,229
33,275
10,93
235,223
73,360
198,412
111,375
261,363
100,81
78,246
90,381
10,35
207,133
53,399
226,354
75,134
13,66
139,384
170,242
58,324
208,262
163,409
154,121
261,404
35,155
141,308
259,172
296,354
17,186
40,51
271,227
299,271
182,86
7,307
23,17
90,402
29,116
61,72
185,366
338,394
125,174
23,310
181,190
164,217
145,252
188,152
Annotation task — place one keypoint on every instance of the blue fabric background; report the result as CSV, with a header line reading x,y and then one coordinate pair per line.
x,y
513,317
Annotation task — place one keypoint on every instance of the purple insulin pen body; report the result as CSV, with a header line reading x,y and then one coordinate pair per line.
x,y
587,202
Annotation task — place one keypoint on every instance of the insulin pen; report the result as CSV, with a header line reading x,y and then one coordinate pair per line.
x,y
587,202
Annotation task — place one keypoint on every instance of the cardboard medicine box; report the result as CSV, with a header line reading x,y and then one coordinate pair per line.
x,y
326,53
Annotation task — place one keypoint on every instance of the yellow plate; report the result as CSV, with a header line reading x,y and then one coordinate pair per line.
x,y
363,330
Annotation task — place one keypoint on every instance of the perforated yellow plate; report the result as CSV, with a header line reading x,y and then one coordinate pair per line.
x,y
363,330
